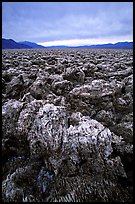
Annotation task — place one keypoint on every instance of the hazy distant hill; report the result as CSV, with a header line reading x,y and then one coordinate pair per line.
x,y
119,45
11,44
124,45
59,46
31,44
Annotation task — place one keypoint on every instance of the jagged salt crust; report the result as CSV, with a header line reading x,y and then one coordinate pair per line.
x,y
67,125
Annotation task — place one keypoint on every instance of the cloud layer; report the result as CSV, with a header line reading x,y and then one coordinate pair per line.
x,y
56,21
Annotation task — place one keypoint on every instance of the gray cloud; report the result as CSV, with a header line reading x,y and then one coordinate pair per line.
x,y
56,21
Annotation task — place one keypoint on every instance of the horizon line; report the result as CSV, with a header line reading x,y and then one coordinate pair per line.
x,y
73,42
84,42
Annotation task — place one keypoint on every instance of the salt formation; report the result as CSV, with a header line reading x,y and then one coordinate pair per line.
x,y
67,125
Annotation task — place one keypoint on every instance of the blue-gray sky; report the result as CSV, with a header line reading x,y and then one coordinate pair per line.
x,y
68,23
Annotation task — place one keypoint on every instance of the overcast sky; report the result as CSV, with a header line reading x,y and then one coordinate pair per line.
x,y
68,23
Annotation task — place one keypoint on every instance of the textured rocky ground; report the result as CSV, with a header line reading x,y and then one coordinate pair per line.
x,y
67,125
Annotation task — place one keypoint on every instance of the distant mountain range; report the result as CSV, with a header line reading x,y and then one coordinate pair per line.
x,y
31,44
119,45
11,44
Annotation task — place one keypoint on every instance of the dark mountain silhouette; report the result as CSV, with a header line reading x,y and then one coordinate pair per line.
x,y
11,44
31,44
